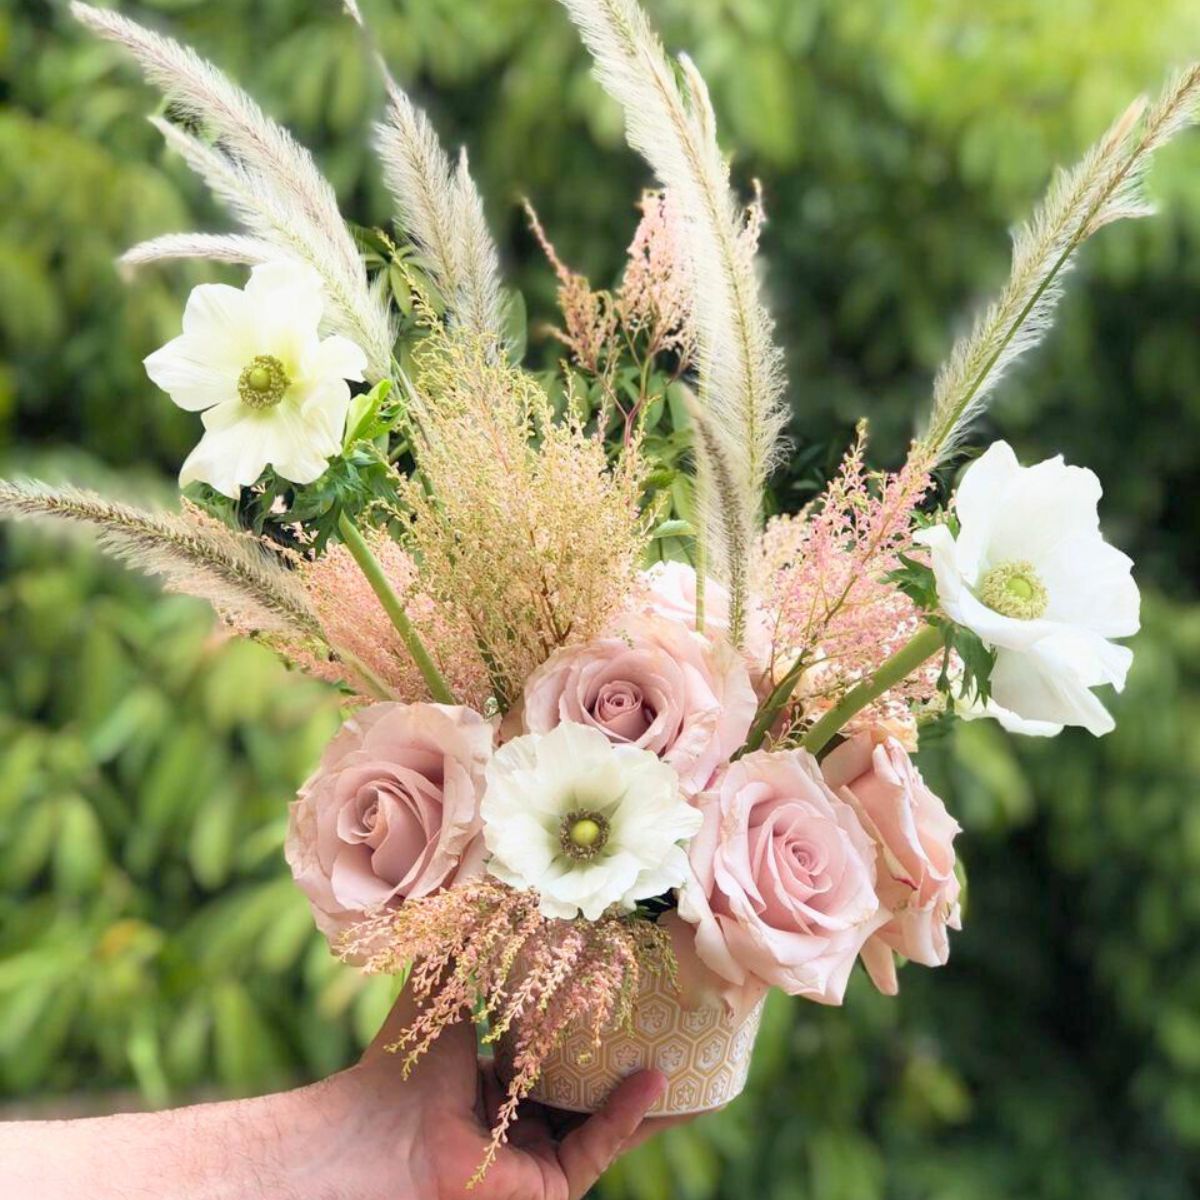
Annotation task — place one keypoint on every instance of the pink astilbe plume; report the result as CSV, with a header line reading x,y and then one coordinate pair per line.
x,y
655,296
823,575
590,317
371,652
485,952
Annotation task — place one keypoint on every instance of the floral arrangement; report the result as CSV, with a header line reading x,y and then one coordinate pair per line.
x,y
602,724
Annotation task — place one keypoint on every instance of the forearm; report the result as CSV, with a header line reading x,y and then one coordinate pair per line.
x,y
275,1147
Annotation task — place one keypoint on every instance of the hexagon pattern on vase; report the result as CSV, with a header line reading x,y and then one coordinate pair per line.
x,y
705,1057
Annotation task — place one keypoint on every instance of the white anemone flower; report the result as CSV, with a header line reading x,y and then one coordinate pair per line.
x,y
272,390
585,823
1031,574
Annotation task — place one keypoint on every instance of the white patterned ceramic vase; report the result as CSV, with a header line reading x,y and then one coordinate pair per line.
x,y
703,1052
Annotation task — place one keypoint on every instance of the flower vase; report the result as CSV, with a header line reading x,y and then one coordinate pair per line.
x,y
703,1050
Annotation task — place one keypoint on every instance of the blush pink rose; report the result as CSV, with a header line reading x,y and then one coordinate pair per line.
x,y
392,812
651,683
700,987
915,835
670,591
783,879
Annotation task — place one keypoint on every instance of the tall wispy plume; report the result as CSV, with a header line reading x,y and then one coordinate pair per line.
x,y
192,553
740,371
1106,186
439,208
216,247
268,181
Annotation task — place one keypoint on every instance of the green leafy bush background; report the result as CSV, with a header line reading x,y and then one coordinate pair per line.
x,y
149,936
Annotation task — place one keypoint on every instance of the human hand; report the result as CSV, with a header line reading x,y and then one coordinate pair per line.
x,y
434,1128
363,1134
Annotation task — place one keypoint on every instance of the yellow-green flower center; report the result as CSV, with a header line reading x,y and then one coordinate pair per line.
x,y
1014,589
263,382
582,835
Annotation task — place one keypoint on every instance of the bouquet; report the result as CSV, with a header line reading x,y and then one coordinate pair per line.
x,y
618,757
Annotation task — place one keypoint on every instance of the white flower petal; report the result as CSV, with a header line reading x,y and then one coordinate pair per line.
x,y
225,458
947,573
1045,686
1040,509
972,710
337,358
287,300
975,500
298,449
185,370
1091,585
995,628
220,322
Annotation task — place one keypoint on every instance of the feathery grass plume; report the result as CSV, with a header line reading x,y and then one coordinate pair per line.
x,y
439,208
1106,186
192,553
518,521
715,479
267,180
484,952
216,247
740,368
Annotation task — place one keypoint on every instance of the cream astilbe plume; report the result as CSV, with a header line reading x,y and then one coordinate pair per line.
x,y
192,553
1106,186
740,371
520,525
439,208
267,180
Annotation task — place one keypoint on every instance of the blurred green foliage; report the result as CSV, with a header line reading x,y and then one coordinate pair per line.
x,y
148,932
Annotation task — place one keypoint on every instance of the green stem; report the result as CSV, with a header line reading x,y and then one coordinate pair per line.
x,y
701,553
375,685
773,705
369,565
924,645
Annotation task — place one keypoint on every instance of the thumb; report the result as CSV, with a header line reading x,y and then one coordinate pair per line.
x,y
449,1064
402,1016
590,1150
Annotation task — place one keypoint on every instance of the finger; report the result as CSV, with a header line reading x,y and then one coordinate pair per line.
x,y
493,1090
652,1127
588,1152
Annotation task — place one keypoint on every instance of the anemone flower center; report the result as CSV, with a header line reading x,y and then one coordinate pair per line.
x,y
1014,589
582,835
262,382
